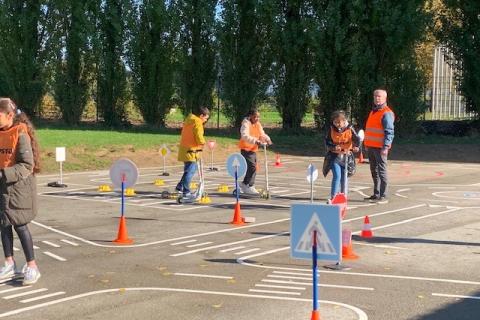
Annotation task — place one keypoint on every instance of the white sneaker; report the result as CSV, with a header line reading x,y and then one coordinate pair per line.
x,y
30,275
253,190
243,187
7,271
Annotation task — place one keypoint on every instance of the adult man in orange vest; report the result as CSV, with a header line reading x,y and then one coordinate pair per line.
x,y
379,133
251,136
191,144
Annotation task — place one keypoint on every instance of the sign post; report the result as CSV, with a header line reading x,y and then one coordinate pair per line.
x,y
211,145
60,156
315,233
236,168
312,175
164,152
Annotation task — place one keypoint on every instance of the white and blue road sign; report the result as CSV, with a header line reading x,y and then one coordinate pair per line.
x,y
325,219
237,162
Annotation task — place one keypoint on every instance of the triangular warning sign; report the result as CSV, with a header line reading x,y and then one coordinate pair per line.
x,y
324,245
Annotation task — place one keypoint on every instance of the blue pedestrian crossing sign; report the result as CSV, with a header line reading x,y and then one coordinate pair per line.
x,y
236,162
325,219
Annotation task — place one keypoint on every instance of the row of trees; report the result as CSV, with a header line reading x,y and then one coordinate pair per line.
x,y
165,52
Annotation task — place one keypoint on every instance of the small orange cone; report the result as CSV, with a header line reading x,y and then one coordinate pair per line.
x,y
122,237
367,229
277,161
360,157
347,252
315,315
237,215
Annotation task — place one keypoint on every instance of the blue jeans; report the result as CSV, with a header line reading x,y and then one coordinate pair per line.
x,y
189,170
338,180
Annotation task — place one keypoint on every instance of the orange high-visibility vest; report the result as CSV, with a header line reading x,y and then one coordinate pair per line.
x,y
8,144
342,139
374,131
254,131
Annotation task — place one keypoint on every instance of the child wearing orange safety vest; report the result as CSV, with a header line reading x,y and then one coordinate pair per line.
x,y
340,139
251,136
19,161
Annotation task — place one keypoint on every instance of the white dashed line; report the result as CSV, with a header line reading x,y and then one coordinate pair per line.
x,y
199,244
54,256
182,242
232,249
43,297
247,251
51,244
70,242
279,287
202,275
24,293
276,292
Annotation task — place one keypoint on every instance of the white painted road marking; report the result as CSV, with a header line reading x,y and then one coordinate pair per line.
x,y
202,275
51,244
277,286
455,296
54,256
232,249
59,293
70,242
24,293
275,292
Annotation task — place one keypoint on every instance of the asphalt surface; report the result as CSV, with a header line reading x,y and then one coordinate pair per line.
x,y
188,262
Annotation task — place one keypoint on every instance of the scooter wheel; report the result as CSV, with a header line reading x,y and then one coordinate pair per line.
x,y
234,192
179,200
165,195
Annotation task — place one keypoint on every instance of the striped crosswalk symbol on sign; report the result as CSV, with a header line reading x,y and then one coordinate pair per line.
x,y
324,245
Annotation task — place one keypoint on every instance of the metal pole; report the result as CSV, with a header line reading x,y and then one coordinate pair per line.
x,y
61,173
311,186
314,271
123,194
236,184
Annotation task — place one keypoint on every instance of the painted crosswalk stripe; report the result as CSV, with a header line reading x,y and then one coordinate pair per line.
x,y
199,244
16,249
276,292
320,285
24,293
14,289
279,287
51,244
35,247
43,297
54,256
232,249
247,251
182,242
202,275
70,242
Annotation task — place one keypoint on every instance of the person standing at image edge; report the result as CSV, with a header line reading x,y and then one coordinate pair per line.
x,y
191,144
19,162
251,136
379,134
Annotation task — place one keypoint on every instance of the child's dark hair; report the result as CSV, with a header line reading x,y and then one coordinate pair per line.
x,y
203,111
7,106
338,114
252,112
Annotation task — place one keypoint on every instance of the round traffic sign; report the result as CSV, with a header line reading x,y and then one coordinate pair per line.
x,y
123,169
164,151
236,162
312,173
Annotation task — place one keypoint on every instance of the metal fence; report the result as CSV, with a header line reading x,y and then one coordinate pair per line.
x,y
447,102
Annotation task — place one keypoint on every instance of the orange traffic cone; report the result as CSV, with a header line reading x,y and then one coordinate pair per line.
x,y
360,157
315,315
122,237
237,215
277,161
367,229
347,252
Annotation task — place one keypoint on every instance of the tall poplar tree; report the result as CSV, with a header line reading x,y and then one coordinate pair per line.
x,y
24,51
458,29
293,59
112,91
196,54
245,54
152,59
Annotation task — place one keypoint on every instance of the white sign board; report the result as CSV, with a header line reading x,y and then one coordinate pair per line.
x,y
60,154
